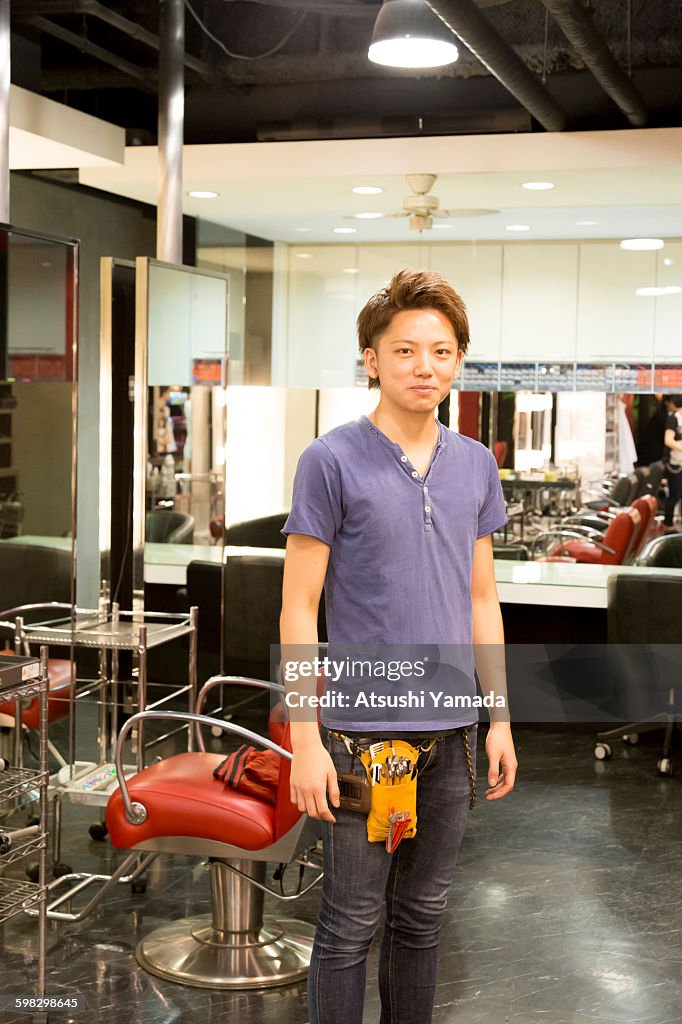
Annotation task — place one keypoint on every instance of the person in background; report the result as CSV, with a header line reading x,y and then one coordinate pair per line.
x,y
673,459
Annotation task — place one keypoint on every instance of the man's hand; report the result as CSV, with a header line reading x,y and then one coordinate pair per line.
x,y
313,775
502,763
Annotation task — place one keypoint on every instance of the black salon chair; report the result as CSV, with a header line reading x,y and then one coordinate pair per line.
x,y
163,526
664,552
623,492
264,532
644,621
511,552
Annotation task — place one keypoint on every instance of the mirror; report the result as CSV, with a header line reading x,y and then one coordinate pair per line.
x,y
38,421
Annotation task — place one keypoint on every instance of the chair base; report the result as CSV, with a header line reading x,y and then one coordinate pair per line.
x,y
192,952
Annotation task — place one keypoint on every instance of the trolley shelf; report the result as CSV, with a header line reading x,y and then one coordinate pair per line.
x,y
86,630
23,848
16,897
93,784
17,781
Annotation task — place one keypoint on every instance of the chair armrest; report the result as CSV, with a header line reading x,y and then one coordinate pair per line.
x,y
262,684
136,813
573,535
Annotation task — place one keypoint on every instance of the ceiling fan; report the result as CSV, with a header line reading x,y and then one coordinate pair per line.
x,y
421,207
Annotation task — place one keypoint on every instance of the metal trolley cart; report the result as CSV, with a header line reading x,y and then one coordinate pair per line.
x,y
24,678
110,631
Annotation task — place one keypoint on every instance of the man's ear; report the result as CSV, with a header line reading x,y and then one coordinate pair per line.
x,y
458,364
371,364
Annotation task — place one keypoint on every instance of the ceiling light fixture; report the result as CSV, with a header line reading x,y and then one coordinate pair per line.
x,y
668,262
517,227
407,34
367,216
537,186
303,229
586,223
304,255
443,227
346,231
203,194
671,289
642,244
367,190
351,270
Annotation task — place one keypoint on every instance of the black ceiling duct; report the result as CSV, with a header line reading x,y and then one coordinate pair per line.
x,y
577,25
466,21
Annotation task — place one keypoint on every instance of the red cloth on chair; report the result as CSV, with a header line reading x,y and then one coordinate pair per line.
x,y
251,771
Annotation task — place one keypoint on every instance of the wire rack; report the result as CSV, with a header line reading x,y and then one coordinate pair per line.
x,y
23,848
16,897
17,781
21,691
121,635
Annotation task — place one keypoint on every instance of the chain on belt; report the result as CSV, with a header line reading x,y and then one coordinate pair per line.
x,y
355,750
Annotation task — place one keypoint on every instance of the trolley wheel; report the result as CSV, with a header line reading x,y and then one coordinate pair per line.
x,y
603,751
33,872
665,766
631,738
139,886
33,819
60,869
98,832
216,732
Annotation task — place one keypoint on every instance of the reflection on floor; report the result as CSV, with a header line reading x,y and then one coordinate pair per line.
x,y
565,909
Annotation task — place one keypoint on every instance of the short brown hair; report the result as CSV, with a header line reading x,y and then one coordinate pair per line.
x,y
411,289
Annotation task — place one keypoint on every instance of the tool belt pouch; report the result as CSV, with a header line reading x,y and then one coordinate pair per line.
x,y
392,771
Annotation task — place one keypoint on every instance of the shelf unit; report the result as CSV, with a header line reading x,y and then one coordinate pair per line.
x,y
23,679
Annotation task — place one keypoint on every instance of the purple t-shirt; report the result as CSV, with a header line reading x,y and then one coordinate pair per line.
x,y
401,545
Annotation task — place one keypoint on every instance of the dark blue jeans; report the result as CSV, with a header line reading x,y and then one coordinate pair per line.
x,y
414,881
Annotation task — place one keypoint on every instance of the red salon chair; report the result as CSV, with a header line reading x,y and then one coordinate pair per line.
x,y
584,544
177,806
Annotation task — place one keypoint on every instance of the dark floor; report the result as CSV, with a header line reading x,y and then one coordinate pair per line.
x,y
566,909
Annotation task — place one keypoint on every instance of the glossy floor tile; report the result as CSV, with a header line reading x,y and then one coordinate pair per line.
x,y
566,908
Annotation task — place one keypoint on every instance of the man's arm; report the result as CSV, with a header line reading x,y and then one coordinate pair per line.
x,y
488,640
312,769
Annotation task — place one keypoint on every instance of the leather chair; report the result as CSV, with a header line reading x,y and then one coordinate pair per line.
x,y
163,526
621,493
177,806
586,545
258,533
647,507
662,552
644,612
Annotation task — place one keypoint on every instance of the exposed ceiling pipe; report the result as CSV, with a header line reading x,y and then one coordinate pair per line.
x,y
575,22
85,46
113,18
466,21
5,53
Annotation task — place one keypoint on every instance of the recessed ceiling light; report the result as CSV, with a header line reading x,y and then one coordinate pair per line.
x,y
303,229
586,223
367,216
537,186
304,255
517,227
671,289
346,231
442,227
203,194
668,262
367,190
351,270
642,244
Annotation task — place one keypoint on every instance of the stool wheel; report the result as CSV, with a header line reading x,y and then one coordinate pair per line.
x,y
98,832
603,751
665,766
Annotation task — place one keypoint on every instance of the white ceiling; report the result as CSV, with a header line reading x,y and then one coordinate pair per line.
x,y
630,182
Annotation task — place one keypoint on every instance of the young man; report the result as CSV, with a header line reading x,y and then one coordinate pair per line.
x,y
392,514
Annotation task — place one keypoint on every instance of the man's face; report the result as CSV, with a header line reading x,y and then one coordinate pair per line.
x,y
416,359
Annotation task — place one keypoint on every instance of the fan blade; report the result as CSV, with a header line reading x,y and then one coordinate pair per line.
x,y
463,213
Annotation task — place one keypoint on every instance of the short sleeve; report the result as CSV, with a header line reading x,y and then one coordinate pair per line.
x,y
316,506
492,514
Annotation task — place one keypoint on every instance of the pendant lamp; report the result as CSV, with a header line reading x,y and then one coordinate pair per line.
x,y
407,34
